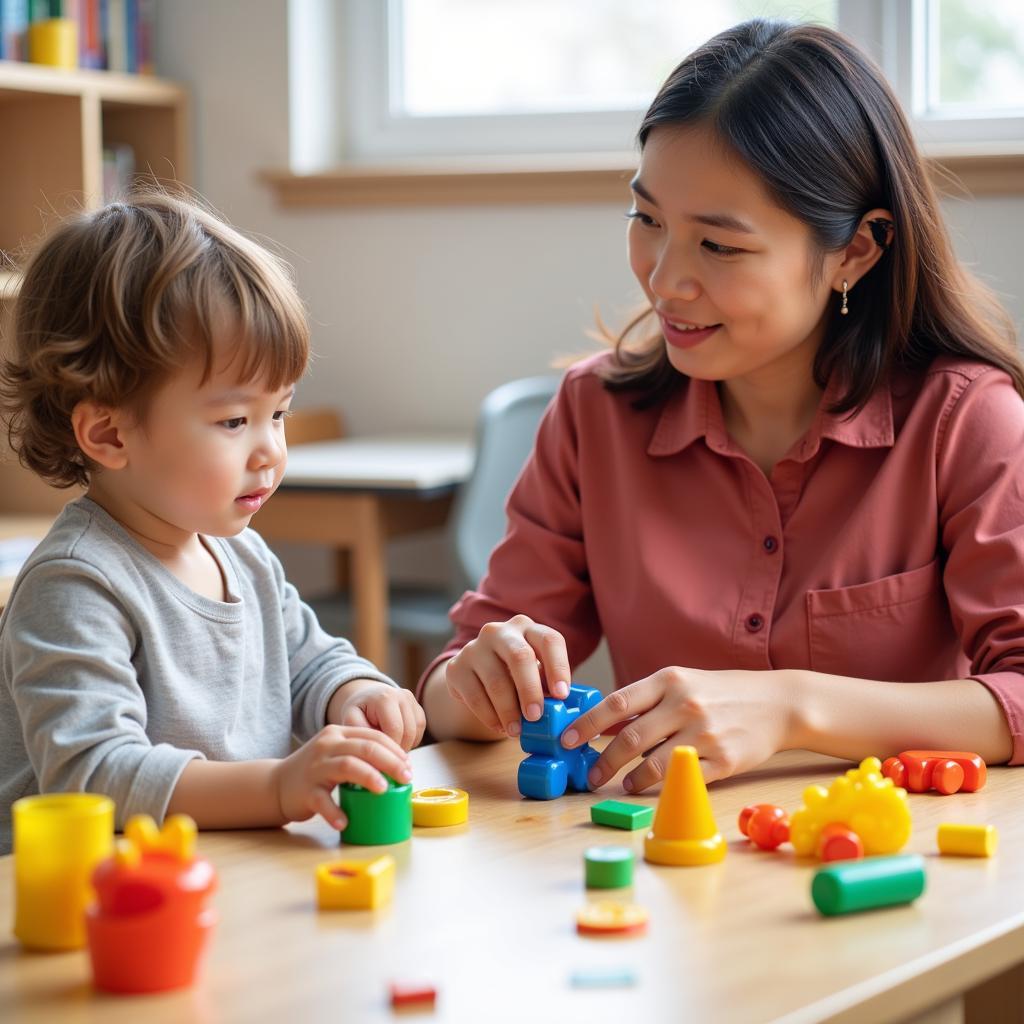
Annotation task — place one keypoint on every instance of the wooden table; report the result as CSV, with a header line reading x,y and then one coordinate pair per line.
x,y
486,911
354,495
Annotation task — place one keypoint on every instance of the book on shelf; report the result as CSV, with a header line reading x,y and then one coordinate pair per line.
x,y
116,35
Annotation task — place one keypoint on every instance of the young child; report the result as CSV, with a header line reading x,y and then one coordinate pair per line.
x,y
798,487
152,649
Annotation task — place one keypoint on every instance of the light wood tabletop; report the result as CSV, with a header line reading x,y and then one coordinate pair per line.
x,y
486,912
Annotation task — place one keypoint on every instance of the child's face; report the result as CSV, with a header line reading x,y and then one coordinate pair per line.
x,y
207,456
699,267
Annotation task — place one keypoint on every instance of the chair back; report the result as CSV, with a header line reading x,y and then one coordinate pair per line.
x,y
506,428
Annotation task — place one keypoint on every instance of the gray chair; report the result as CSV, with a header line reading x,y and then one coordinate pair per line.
x,y
418,616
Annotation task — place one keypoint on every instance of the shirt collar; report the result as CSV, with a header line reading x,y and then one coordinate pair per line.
x,y
695,411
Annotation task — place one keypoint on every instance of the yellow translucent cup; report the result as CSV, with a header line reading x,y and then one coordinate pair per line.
x,y
59,838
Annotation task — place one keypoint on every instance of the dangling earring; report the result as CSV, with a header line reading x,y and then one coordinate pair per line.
x,y
844,309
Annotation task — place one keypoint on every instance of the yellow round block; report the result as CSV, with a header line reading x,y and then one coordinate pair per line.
x,y
54,42
609,917
438,807
967,840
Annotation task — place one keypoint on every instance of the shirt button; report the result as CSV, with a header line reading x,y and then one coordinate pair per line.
x,y
754,623
771,545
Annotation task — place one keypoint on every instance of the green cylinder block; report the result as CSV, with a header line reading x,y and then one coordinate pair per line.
x,y
851,885
376,819
608,867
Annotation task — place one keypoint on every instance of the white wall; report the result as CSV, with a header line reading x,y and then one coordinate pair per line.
x,y
417,313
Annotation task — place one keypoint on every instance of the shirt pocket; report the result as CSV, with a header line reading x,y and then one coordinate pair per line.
x,y
897,628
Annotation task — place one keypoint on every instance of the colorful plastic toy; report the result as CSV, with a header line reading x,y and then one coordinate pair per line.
x,y
440,807
967,840
608,867
867,884
603,977
59,838
837,842
355,884
863,801
376,819
684,832
151,922
609,917
765,825
620,814
551,769
945,771
412,994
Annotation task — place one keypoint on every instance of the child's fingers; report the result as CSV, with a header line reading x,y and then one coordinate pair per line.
x,y
383,757
554,657
324,805
520,667
415,724
353,769
355,716
340,739
492,670
388,713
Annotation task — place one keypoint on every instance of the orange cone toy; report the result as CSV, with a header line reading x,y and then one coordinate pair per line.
x,y
684,833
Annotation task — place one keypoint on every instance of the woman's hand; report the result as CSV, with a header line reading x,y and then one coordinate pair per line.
x,y
735,719
498,675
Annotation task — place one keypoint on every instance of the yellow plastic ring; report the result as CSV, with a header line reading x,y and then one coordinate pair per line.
x,y
434,808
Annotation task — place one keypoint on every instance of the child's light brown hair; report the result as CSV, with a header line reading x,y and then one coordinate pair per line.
x,y
116,300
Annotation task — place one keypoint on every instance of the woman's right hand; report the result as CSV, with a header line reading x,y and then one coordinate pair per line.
x,y
498,675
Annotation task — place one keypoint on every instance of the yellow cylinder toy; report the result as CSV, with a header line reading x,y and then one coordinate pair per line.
x,y
53,42
58,839
967,840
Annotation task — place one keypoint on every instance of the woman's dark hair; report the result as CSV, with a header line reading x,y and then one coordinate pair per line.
x,y
815,120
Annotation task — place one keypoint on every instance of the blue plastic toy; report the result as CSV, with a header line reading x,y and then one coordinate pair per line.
x,y
550,768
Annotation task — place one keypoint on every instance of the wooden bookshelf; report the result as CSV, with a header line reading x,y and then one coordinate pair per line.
x,y
54,125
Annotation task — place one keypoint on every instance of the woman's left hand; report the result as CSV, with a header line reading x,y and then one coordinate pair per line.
x,y
735,719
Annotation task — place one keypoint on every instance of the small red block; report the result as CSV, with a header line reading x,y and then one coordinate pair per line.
x,y
404,994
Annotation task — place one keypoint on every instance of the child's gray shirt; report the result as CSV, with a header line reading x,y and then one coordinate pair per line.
x,y
114,674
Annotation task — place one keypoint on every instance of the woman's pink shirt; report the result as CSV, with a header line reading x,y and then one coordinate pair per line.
x,y
887,545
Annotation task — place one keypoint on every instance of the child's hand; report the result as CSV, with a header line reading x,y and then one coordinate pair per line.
x,y
305,780
369,703
735,719
497,675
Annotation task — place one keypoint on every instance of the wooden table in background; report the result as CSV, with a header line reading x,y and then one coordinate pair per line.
x,y
486,912
16,527
354,495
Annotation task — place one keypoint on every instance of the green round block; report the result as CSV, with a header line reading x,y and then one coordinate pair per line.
x,y
851,885
376,819
608,867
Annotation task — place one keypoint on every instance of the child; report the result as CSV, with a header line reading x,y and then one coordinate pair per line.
x,y
152,649
803,487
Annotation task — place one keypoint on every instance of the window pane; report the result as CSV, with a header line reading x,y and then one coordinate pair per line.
x,y
980,58
539,56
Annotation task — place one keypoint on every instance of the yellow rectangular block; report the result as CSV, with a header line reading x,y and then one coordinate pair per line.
x,y
967,840
355,884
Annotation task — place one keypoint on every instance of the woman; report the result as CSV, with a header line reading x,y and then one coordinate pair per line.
x,y
805,488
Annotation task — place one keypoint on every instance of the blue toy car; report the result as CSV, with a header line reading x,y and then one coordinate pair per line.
x,y
551,769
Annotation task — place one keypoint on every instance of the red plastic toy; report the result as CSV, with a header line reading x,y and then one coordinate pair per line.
x,y
837,842
149,927
765,825
412,994
945,771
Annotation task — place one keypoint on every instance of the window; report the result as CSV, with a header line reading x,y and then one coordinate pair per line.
x,y
437,78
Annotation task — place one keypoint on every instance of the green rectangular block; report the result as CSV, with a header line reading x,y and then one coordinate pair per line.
x,y
620,814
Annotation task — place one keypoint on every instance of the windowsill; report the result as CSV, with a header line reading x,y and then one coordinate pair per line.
x,y
982,170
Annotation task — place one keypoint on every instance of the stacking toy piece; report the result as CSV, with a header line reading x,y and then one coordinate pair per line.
x,y
967,840
376,819
151,923
355,884
608,867
620,814
861,800
684,830
837,842
609,917
765,825
440,807
867,884
551,769
945,771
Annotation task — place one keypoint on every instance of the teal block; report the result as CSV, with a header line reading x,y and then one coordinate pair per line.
x,y
619,814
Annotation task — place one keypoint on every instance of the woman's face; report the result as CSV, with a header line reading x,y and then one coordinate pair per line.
x,y
728,271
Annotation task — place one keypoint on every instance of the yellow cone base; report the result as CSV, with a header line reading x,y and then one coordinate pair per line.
x,y
684,852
